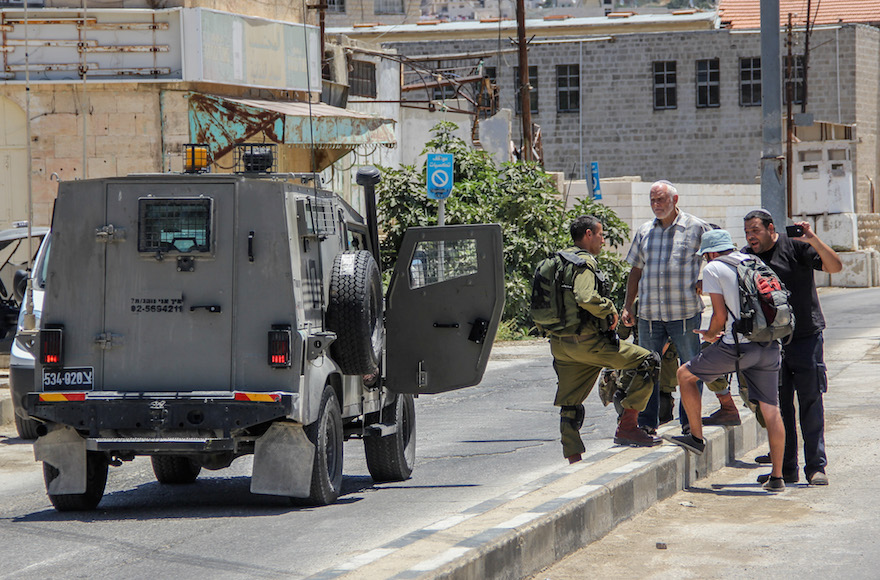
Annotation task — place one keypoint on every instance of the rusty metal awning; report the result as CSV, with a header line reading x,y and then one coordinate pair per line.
x,y
223,122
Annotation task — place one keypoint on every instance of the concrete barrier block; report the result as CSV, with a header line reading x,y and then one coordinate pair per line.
x,y
822,279
838,230
858,270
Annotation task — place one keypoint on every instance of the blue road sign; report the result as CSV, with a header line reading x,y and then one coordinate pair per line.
x,y
439,180
594,173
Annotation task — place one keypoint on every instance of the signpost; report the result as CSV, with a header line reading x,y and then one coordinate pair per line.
x,y
440,180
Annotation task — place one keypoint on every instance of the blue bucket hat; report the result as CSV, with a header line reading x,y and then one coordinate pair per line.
x,y
716,241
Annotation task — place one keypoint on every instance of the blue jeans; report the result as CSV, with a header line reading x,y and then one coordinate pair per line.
x,y
653,335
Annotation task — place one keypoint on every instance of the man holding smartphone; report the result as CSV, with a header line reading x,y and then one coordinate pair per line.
x,y
793,256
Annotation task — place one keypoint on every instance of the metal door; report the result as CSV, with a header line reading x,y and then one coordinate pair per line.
x,y
168,287
443,306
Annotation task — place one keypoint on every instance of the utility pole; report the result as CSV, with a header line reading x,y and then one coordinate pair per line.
x,y
525,101
772,191
789,119
806,57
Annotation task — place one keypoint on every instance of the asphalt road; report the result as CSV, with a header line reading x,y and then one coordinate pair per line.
x,y
473,446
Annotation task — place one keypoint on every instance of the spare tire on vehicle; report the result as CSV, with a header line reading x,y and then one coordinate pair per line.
x,y
356,313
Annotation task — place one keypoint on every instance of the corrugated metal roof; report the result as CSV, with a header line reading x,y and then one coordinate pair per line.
x,y
746,14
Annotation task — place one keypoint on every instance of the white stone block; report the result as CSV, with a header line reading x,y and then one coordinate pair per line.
x,y
858,270
839,230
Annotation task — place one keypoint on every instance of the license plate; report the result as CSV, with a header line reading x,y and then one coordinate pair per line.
x,y
81,378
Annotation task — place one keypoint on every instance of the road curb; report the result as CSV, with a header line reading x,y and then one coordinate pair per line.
x,y
527,549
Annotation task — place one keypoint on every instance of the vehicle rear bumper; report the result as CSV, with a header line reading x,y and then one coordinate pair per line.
x,y
162,413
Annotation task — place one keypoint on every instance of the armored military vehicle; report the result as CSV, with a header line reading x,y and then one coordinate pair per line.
x,y
197,318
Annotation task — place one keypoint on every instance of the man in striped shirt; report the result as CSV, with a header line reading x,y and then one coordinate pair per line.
x,y
665,269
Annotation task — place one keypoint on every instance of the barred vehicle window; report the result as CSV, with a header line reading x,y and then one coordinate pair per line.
x,y
437,261
174,225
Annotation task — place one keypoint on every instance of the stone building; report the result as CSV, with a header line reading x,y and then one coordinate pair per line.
x,y
122,86
670,102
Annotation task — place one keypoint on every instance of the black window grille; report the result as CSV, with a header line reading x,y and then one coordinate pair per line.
x,y
665,89
750,82
362,79
794,78
533,91
568,88
708,83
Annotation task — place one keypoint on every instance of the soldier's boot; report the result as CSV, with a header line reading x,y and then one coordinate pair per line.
x,y
571,419
667,404
726,415
628,432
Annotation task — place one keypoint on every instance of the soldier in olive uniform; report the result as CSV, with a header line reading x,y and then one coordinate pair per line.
x,y
584,347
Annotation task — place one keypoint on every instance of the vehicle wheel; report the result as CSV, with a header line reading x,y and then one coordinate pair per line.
x,y
356,313
175,469
326,435
96,480
27,428
391,458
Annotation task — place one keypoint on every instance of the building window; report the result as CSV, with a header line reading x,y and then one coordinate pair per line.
x,y
568,88
750,82
708,81
794,78
362,79
665,96
336,6
389,7
533,91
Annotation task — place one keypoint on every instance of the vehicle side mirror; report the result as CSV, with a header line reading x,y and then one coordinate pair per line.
x,y
19,285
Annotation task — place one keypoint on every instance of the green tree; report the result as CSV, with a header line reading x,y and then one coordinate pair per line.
x,y
519,196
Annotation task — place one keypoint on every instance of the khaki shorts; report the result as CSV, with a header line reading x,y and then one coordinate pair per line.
x,y
758,364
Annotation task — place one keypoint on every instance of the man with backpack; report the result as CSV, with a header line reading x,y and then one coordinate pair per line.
x,y
756,362
794,258
570,304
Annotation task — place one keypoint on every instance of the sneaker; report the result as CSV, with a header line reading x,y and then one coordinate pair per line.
x,y
763,459
648,430
818,478
775,484
786,477
689,442
725,417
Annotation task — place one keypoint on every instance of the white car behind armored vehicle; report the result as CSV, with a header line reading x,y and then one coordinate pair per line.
x,y
197,318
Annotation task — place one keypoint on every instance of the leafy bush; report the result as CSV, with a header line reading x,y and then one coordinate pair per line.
x,y
519,196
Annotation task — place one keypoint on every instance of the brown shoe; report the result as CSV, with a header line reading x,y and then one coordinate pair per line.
x,y
574,458
723,416
629,433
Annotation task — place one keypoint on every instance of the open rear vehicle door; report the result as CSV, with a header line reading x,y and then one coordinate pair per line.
x,y
443,306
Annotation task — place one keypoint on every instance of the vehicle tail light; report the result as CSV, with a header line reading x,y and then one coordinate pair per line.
x,y
279,347
50,346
